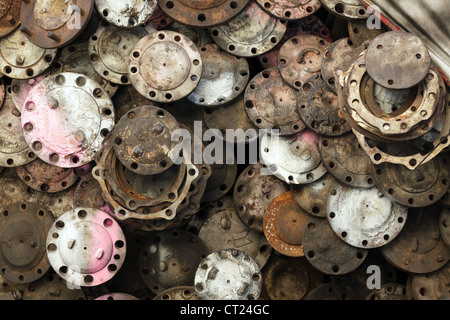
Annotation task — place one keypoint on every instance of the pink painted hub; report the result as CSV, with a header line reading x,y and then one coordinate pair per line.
x,y
65,118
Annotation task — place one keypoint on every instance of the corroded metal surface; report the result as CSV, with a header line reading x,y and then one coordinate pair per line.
x,y
52,287
432,286
346,9
126,15
389,291
178,293
290,10
9,16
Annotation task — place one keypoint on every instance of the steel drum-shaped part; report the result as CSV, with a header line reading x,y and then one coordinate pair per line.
x,y
86,247
251,33
405,51
21,59
364,217
175,60
178,293
202,13
293,159
346,9
300,58
23,230
126,14
65,119
270,102
327,252
53,24
143,140
170,258
419,248
346,160
109,49
228,274
224,77
290,9
9,16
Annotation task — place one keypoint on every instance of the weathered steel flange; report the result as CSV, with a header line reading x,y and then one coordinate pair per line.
x,y
126,14
178,293
359,31
389,291
52,287
21,88
346,9
432,286
290,9
159,19
9,16
444,225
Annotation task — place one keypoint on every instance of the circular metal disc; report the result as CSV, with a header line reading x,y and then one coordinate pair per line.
x,y
45,177
389,291
126,14
14,151
290,9
252,33
300,58
143,140
75,58
201,37
327,252
160,19
318,107
360,33
253,192
420,187
346,9
175,60
109,49
21,59
170,258
202,13
444,225
86,247
9,16
419,248
54,23
228,274
364,218
392,55
21,88
224,77
346,161
312,197
294,159
269,103
432,286
23,230
284,222
179,293
65,118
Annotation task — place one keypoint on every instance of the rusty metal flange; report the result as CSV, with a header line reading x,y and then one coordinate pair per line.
x,y
346,9
346,161
251,33
326,252
170,258
53,24
14,151
232,116
318,107
21,59
24,227
202,13
224,229
294,159
432,286
389,291
312,197
109,49
224,77
222,180
86,247
143,140
128,98
253,192
288,9
2,91
45,177
323,292
76,112
126,14
406,52
21,88
201,37
360,33
270,102
75,58
444,225
178,66
364,218
52,287
9,16
419,248
300,58
159,19
228,274
284,222
421,187
178,293
88,194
